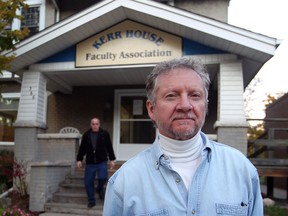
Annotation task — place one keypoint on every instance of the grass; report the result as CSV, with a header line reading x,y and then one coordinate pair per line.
x,y
275,211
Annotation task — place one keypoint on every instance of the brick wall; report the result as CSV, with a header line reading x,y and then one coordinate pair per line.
x,y
235,137
52,148
78,108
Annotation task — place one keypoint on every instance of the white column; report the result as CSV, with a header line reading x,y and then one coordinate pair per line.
x,y
231,122
230,97
32,105
31,116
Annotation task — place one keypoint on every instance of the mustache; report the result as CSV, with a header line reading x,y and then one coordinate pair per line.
x,y
184,116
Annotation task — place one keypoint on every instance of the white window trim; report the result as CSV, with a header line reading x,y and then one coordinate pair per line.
x,y
13,95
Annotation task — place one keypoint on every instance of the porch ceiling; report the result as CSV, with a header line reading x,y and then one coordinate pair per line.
x,y
253,48
64,80
98,77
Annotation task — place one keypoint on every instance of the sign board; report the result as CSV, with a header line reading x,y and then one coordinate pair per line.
x,y
128,43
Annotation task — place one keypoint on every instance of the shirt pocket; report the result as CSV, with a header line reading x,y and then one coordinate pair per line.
x,y
231,209
159,212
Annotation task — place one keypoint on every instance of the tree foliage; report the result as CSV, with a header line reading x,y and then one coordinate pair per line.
x,y
9,37
250,96
270,98
255,131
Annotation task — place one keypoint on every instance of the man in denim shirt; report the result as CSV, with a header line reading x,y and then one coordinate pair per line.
x,y
183,172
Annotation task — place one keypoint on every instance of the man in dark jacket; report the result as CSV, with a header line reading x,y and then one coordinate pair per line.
x,y
97,146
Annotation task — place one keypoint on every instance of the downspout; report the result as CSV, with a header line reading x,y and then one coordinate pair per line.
x,y
57,10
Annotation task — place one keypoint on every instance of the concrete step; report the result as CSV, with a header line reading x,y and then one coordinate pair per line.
x,y
77,179
71,198
77,198
73,209
72,187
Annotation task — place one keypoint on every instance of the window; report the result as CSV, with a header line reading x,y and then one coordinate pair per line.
x,y
31,19
135,125
8,112
34,17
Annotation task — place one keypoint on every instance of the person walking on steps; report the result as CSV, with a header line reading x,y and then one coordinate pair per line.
x,y
96,145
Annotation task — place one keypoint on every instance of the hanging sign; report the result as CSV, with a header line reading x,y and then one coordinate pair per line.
x,y
128,43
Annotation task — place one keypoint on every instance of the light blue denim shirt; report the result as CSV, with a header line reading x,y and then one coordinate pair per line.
x,y
225,183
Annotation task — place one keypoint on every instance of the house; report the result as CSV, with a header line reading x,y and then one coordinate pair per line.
x,y
276,130
90,58
276,116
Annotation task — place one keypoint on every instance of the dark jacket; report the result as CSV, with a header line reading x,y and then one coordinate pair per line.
x,y
103,151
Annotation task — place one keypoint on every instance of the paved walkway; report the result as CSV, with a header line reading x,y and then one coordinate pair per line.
x,y
58,214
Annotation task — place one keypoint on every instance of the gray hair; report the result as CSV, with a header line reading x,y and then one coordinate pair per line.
x,y
167,66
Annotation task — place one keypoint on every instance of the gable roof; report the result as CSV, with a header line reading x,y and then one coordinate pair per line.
x,y
254,49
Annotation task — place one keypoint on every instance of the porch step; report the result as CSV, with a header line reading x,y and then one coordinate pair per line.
x,y
72,187
73,209
76,198
71,198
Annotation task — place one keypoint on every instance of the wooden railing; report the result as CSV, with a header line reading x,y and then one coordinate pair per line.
x,y
264,158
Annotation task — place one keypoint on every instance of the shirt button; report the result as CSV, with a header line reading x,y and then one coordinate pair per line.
x,y
193,211
166,157
178,180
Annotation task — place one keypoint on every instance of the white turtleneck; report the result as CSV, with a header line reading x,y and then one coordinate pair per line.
x,y
185,156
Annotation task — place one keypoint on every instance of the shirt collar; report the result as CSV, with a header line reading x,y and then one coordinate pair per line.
x,y
207,150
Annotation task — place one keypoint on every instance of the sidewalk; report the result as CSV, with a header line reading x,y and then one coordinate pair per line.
x,y
57,214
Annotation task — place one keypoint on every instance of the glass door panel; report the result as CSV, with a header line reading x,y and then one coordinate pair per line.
x,y
133,129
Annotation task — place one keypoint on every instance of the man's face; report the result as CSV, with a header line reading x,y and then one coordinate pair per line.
x,y
95,125
180,107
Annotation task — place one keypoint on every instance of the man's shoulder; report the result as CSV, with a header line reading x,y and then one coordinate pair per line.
x,y
224,153
220,148
103,131
86,133
228,154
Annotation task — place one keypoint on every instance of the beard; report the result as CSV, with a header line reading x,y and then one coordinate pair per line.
x,y
180,134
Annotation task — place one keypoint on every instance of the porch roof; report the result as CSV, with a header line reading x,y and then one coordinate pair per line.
x,y
252,48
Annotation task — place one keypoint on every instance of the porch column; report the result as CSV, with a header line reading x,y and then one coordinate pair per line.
x,y
231,123
31,118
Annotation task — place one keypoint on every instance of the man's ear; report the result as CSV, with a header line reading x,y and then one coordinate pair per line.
x,y
150,109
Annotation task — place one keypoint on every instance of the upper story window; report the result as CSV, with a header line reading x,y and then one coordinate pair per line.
x,y
31,19
34,17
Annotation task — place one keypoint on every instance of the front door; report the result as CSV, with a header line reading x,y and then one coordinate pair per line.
x,y
133,129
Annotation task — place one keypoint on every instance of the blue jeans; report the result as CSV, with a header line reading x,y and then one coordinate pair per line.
x,y
89,179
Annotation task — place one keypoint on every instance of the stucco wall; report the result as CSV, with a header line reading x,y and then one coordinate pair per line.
x,y
216,9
